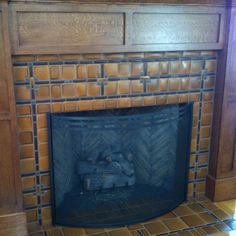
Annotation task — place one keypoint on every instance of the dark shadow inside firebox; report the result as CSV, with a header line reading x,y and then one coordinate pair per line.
x,y
119,167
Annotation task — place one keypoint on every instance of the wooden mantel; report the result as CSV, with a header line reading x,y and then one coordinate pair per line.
x,y
31,27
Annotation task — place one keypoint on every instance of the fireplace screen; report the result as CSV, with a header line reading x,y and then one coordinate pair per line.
x,y
119,167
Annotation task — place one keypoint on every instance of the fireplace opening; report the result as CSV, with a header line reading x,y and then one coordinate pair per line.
x,y
119,167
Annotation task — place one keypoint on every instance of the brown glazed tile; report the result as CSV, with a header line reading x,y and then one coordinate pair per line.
x,y
175,224
153,68
207,107
26,151
163,84
24,123
156,228
110,88
211,65
186,67
136,86
57,107
43,108
54,72
73,232
135,55
191,174
184,83
192,220
45,180
93,89
112,103
153,86
208,218
46,197
206,119
28,182
203,159
69,90
93,56
56,91
94,71
190,189
111,70
31,215
85,105
124,87
161,100
194,97
137,69
204,144
174,84
98,104
208,96
208,53
114,55
70,106
183,98
22,58
124,102
195,83
82,89
41,72
191,53
153,54
123,232
196,66
149,101
68,72
29,200
82,72
43,150
42,121
200,187
42,93
43,135
164,67
43,164
20,73
23,109
172,54
209,82
49,58
26,138
173,99
22,93
205,132
175,67
33,227
137,102
27,165
124,70
183,211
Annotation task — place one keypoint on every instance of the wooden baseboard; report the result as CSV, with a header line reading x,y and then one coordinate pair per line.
x,y
220,189
13,224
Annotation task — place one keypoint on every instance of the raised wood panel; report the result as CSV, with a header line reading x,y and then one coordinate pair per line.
x,y
84,28
157,28
63,29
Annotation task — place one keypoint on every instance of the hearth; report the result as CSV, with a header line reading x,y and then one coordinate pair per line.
x,y
120,166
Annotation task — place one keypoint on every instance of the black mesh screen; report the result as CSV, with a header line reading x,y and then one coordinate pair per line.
x,y
119,167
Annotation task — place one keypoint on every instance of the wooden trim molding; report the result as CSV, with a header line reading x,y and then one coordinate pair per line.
x,y
12,219
88,28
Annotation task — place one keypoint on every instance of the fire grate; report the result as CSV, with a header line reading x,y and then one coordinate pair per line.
x,y
119,167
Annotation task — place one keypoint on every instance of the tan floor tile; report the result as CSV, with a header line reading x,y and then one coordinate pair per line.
x,y
183,211
185,233
93,231
209,205
135,227
99,234
123,232
222,227
196,207
73,232
156,228
193,220
175,224
220,214
210,229
144,232
207,217
168,216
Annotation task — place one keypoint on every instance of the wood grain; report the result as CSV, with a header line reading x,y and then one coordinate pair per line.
x,y
85,28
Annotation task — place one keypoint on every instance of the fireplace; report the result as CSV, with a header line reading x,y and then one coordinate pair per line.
x,y
122,166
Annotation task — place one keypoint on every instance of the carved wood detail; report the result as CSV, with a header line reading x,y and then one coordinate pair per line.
x,y
85,28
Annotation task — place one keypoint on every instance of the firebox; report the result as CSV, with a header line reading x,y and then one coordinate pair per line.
x,y
120,166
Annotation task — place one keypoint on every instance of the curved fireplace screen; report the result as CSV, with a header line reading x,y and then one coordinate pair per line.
x,y
119,167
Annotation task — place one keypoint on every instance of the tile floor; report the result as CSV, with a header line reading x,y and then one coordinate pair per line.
x,y
196,217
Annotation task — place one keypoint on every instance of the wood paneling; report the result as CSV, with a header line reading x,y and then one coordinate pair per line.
x,y
10,191
223,155
85,28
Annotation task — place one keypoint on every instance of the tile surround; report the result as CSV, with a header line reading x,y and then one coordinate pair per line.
x,y
61,83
